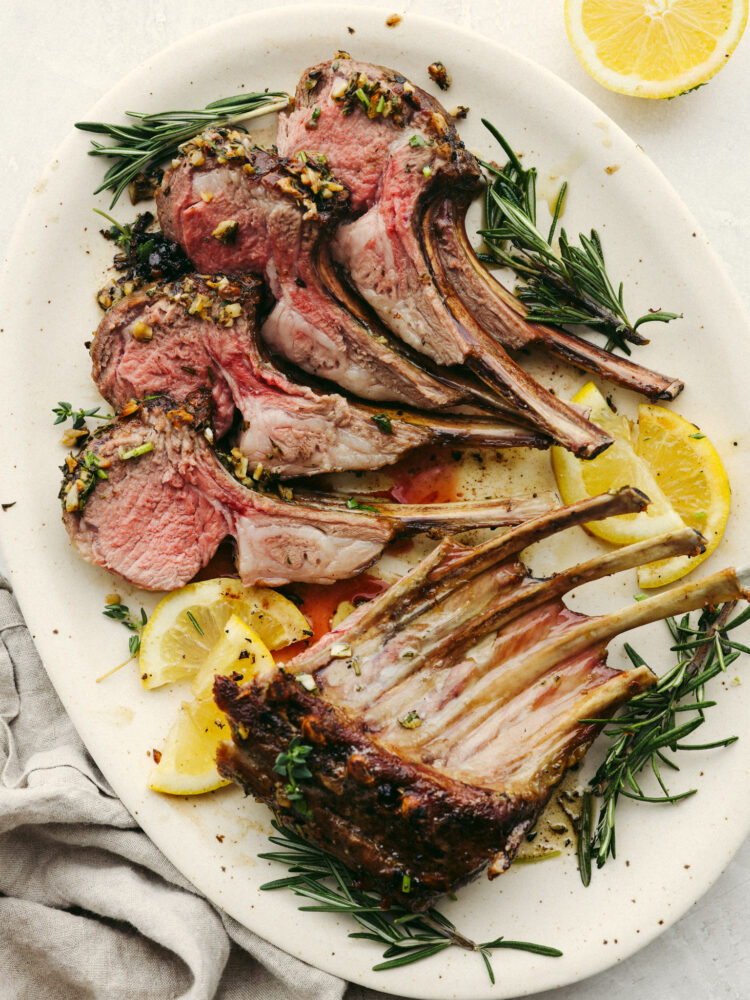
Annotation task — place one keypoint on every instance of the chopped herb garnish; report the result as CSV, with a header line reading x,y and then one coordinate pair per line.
x,y
327,885
194,623
412,720
7,506
137,451
427,171
139,148
697,437
417,140
383,422
354,504
121,613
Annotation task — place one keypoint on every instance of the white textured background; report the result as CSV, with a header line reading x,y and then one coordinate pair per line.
x,y
58,58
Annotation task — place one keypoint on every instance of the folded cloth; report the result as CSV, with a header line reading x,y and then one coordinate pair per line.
x,y
89,908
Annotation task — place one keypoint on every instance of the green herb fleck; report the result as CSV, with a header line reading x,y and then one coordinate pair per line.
x,y
292,764
133,623
383,422
140,449
64,411
354,504
412,720
194,623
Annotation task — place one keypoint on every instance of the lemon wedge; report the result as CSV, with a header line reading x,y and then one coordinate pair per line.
x,y
654,48
187,762
668,458
187,624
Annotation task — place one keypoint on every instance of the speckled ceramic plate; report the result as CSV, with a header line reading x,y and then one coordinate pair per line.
x,y
666,857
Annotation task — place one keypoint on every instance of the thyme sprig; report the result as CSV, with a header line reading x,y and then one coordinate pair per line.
x,y
655,724
407,937
64,411
133,623
293,765
153,138
563,284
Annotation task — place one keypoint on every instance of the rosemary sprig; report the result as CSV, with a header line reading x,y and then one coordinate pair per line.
x,y
655,724
133,623
156,137
561,285
64,411
407,937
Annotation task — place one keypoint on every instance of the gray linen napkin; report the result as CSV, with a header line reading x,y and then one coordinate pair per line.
x,y
89,908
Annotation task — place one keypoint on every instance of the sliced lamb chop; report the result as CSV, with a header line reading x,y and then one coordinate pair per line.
x,y
370,115
458,271
149,500
200,332
235,208
445,711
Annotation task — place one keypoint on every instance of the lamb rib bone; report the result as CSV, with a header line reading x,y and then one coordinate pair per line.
x,y
502,315
148,499
288,428
430,764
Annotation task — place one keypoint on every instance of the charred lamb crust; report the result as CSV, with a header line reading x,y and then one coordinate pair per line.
x,y
440,833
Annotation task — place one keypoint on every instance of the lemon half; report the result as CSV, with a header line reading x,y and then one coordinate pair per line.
x,y
187,624
666,457
654,48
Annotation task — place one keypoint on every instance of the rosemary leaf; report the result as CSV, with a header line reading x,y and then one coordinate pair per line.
x,y
646,731
332,888
139,148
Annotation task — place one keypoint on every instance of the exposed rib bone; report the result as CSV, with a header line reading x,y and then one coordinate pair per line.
x,y
440,517
499,613
593,633
503,315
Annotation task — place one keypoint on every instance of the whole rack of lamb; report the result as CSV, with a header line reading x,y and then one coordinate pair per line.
x,y
442,714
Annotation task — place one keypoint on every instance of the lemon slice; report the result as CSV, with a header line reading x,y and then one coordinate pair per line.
x,y
187,763
691,474
675,465
654,48
188,623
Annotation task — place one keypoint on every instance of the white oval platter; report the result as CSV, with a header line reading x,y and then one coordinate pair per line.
x,y
667,857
